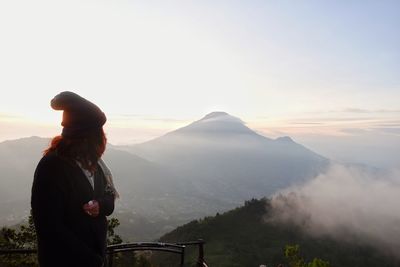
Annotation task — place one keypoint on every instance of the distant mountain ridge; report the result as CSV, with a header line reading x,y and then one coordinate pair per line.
x,y
208,166
225,158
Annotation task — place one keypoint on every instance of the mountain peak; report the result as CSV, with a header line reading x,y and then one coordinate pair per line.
x,y
217,123
215,114
220,116
214,126
286,139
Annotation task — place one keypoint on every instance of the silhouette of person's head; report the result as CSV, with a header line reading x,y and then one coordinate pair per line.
x,y
80,116
82,138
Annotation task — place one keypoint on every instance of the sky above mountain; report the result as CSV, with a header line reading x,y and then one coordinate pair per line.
x,y
324,73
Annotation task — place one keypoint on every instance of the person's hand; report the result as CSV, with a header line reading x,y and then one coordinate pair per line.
x,y
92,208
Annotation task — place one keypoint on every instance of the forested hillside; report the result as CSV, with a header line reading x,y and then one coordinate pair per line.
x,y
241,237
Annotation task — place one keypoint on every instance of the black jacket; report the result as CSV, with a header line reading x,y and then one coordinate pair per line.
x,y
67,236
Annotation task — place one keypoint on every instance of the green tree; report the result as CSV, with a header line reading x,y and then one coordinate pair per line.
x,y
24,237
142,261
292,254
112,237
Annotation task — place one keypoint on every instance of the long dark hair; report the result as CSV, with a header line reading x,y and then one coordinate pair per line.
x,y
86,149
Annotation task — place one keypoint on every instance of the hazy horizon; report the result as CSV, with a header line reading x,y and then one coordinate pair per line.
x,y
348,147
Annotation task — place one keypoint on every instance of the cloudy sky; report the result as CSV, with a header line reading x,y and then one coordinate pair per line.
x,y
324,72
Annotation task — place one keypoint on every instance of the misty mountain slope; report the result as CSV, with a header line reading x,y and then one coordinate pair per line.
x,y
135,177
149,188
18,160
153,199
224,158
245,237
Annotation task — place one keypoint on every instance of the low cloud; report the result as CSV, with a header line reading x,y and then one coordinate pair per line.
x,y
346,203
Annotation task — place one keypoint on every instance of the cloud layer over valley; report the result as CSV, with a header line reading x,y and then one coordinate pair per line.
x,y
347,203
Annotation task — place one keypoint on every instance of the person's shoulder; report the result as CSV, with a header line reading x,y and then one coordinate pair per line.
x,y
50,159
50,173
53,163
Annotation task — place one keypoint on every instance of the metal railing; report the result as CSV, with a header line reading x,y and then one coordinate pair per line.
x,y
200,243
145,246
176,248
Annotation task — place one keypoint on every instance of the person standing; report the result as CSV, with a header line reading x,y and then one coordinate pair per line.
x,y
73,190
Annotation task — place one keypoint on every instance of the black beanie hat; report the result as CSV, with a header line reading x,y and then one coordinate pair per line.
x,y
80,115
